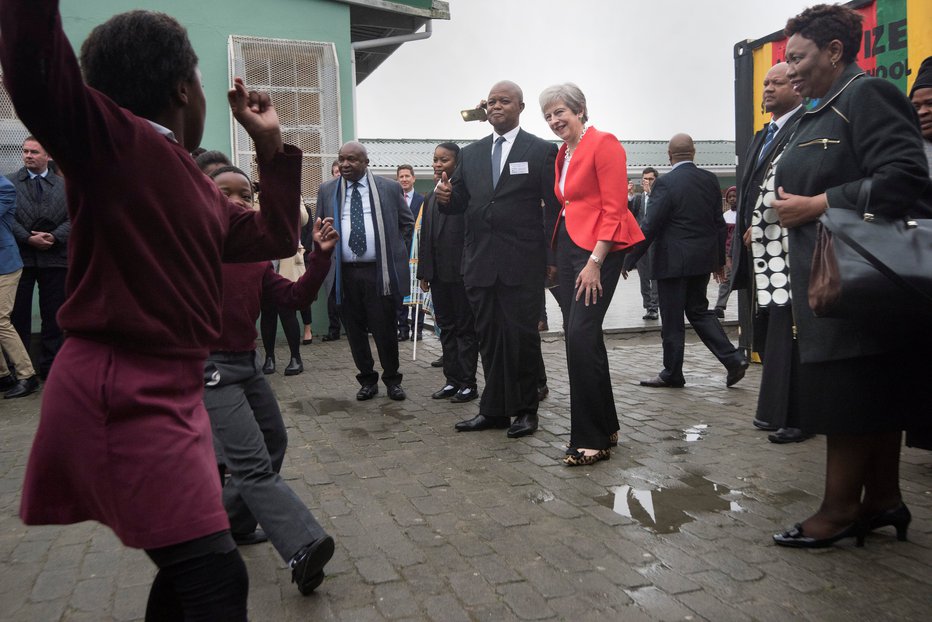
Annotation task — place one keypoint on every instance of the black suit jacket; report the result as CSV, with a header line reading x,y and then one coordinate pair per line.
x,y
685,225
505,239
440,253
753,170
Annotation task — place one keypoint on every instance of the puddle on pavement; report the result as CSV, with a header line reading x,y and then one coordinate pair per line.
x,y
665,510
695,433
328,406
390,410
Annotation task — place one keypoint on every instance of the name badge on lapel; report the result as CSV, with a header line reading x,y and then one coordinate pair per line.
x,y
518,168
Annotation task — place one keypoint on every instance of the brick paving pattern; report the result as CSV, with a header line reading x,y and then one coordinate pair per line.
x,y
435,525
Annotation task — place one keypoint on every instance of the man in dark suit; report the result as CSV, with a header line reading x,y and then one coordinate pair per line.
x,y
41,228
772,333
687,232
371,264
501,184
414,200
638,205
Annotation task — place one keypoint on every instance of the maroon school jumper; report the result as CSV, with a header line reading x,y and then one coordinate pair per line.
x,y
123,436
246,285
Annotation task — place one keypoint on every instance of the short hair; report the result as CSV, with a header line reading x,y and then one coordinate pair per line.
x,y
650,169
209,158
137,58
823,23
405,167
453,147
569,94
335,163
229,169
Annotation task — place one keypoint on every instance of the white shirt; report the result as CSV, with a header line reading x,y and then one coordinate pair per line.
x,y
506,146
348,255
164,131
782,120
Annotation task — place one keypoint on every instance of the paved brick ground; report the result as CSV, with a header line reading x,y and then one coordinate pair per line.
x,y
435,525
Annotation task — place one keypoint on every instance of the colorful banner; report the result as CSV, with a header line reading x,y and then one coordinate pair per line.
x,y
897,37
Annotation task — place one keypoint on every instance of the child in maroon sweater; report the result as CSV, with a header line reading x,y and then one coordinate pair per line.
x,y
123,437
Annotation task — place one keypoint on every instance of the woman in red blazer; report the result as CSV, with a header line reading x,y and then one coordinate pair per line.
x,y
593,228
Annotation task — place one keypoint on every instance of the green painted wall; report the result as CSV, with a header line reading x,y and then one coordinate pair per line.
x,y
211,22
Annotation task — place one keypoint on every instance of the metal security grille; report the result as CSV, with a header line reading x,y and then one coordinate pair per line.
x,y
303,79
12,134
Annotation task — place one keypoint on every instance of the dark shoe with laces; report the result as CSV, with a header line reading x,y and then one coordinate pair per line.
x,y
659,383
367,392
395,392
22,388
523,426
330,337
481,422
295,367
437,363
269,367
651,315
307,567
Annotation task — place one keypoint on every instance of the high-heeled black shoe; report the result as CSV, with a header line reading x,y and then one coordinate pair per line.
x,y
899,517
795,537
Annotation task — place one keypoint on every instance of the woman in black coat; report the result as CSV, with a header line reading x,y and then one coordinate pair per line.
x,y
860,384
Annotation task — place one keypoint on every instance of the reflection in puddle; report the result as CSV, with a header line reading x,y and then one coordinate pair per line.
x,y
695,433
664,510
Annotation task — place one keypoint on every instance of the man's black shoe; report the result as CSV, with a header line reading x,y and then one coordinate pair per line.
x,y
447,391
367,392
788,435
331,337
660,383
736,373
403,334
650,315
438,362
269,367
542,393
307,567
466,394
22,388
481,422
523,425
396,393
245,539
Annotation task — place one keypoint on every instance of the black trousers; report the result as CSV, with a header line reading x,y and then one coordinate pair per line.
x,y
457,332
776,402
506,322
592,405
687,295
51,296
363,310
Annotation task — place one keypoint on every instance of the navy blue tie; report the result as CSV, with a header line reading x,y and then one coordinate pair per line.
x,y
357,236
38,180
497,160
771,132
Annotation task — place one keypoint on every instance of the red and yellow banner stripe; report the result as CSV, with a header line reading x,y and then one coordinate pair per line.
x,y
897,37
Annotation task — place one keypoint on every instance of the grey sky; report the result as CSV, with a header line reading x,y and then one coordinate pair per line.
x,y
649,68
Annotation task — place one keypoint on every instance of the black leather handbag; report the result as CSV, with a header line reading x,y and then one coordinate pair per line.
x,y
865,266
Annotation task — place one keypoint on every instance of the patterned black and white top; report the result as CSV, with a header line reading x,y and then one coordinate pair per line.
x,y
769,247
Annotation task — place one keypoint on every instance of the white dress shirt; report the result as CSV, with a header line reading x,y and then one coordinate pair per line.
x,y
348,255
506,146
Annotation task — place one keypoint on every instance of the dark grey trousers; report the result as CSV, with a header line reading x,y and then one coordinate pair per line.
x,y
249,435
